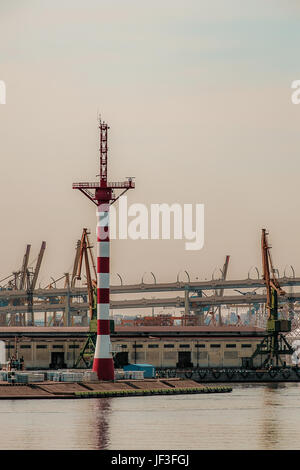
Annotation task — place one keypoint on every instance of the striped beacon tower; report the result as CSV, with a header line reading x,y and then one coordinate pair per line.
x,y
103,194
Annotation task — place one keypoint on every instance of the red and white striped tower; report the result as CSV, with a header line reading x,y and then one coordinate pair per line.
x,y
102,193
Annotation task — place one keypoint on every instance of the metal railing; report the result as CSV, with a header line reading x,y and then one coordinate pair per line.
x,y
122,184
86,185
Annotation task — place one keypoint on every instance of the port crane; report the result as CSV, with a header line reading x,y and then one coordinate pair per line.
x,y
84,254
25,280
274,345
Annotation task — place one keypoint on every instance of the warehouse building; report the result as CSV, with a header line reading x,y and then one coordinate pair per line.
x,y
167,347
190,346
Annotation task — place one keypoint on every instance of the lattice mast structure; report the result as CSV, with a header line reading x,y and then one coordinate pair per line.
x,y
102,193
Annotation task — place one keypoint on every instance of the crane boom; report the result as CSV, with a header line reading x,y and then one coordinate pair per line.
x,y
221,291
24,267
271,281
38,266
89,246
83,255
75,267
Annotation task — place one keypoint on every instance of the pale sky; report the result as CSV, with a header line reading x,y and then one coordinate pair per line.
x,y
198,97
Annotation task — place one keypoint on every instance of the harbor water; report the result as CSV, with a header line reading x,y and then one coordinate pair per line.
x,y
253,416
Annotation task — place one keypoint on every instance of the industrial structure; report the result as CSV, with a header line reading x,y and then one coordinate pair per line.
x,y
102,193
69,305
274,346
195,338
243,323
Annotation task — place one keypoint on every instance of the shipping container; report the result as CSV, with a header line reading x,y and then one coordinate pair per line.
x,y
148,369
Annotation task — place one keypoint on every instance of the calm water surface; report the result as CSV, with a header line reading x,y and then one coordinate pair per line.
x,y
264,416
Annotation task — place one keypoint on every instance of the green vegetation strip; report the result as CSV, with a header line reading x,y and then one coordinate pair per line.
x,y
171,391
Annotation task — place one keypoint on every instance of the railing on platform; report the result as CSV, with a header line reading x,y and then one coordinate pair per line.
x,y
123,184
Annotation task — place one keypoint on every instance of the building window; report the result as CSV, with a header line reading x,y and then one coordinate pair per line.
x,y
168,345
199,345
230,345
9,346
73,346
57,346
41,346
135,346
184,345
246,345
25,346
124,346
152,345
215,345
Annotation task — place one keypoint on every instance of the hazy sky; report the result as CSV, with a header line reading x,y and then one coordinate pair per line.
x,y
198,97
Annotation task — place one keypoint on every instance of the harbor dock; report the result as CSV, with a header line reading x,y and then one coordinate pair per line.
x,y
103,389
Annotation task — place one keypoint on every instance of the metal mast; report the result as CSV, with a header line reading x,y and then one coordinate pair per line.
x,y
102,194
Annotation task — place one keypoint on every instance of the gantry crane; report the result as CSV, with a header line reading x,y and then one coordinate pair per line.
x,y
274,345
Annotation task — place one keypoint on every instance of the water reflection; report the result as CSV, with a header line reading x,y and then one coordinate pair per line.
x,y
270,422
102,411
